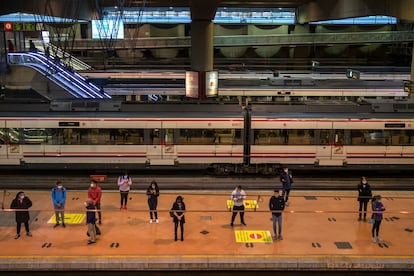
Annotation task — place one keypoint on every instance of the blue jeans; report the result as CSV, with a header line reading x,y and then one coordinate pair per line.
x,y
285,194
277,220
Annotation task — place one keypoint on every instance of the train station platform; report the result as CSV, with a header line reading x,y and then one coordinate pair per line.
x,y
321,232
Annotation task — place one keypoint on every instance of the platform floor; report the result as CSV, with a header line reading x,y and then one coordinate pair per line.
x,y
320,231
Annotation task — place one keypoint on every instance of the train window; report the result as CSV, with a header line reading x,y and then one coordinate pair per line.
x,y
37,135
94,136
169,136
209,137
9,135
370,137
126,136
401,137
155,137
324,137
2,135
284,137
339,137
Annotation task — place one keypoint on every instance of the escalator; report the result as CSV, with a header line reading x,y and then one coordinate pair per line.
x,y
60,75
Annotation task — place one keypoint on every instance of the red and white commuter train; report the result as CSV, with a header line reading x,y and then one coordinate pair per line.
x,y
226,142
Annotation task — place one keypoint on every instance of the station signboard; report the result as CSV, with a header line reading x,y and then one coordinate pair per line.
x,y
212,84
18,26
192,84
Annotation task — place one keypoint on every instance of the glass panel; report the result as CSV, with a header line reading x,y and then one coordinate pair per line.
x,y
155,137
37,136
370,137
284,137
169,137
2,135
324,139
209,137
339,137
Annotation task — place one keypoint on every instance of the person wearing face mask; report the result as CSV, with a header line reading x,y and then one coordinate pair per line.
x,y
238,196
377,213
59,199
364,196
124,184
153,192
22,203
95,194
177,213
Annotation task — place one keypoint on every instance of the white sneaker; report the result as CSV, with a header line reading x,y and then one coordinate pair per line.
x,y
374,239
150,220
157,221
379,239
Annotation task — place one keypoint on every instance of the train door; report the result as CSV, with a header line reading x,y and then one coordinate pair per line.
x,y
330,151
169,150
154,148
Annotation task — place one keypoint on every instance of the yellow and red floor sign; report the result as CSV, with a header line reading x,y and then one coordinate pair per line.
x,y
244,236
248,204
70,219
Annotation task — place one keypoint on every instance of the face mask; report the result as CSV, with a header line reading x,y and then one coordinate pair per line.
x,y
22,196
92,185
59,187
153,186
364,182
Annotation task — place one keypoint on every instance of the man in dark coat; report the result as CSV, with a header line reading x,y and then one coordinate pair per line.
x,y
22,203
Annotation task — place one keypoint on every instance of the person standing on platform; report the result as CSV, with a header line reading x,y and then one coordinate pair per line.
x,y
124,184
22,203
238,196
177,213
377,211
286,179
91,220
95,193
364,196
59,200
153,193
276,206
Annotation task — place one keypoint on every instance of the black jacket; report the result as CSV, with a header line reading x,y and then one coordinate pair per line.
x,y
364,193
276,204
176,207
23,215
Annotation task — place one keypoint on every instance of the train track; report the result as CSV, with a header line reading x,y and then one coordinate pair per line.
x,y
171,182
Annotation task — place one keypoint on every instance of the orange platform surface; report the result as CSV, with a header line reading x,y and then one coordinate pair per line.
x,y
321,231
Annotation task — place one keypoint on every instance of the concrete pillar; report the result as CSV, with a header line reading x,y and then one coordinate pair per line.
x,y
412,65
202,54
411,95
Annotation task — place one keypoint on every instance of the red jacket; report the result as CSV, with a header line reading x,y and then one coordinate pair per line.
x,y
95,194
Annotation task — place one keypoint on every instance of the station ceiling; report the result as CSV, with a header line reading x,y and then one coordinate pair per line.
x,y
307,10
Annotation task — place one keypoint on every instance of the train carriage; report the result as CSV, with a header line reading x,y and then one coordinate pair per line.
x,y
333,140
127,140
246,141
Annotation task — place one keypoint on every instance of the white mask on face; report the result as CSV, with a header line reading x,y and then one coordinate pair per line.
x,y
92,185
22,196
364,182
59,187
153,186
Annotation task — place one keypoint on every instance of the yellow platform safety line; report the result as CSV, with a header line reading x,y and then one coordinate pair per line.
x,y
244,236
70,218
248,204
